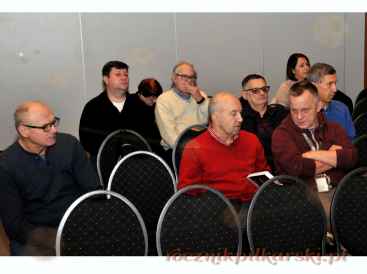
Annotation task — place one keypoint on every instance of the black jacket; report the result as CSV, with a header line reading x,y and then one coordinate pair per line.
x,y
263,127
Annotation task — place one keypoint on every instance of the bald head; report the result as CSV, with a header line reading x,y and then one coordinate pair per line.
x,y
220,101
225,115
31,112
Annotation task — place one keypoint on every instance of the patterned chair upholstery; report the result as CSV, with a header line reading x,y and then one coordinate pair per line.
x,y
198,220
360,124
147,181
188,134
285,217
116,145
349,213
361,95
101,223
361,144
360,108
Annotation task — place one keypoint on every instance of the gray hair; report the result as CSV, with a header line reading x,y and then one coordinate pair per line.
x,y
319,70
19,114
176,69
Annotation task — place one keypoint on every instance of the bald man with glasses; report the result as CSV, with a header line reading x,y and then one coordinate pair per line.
x,y
259,117
41,174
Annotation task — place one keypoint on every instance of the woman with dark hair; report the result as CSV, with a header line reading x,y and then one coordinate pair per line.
x,y
298,67
141,112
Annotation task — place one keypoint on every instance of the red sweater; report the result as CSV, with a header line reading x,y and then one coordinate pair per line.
x,y
224,168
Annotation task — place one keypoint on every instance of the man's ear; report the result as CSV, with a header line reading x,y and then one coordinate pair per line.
x,y
23,131
319,105
105,80
173,77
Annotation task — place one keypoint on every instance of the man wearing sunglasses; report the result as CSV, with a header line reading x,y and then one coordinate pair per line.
x,y
259,117
185,104
41,174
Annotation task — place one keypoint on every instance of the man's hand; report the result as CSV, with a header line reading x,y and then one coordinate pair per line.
x,y
335,148
195,92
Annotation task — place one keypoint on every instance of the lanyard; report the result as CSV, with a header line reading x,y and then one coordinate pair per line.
x,y
313,144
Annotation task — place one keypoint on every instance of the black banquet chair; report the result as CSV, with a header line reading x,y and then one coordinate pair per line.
x,y
361,144
286,218
345,99
360,123
361,95
185,136
205,223
115,146
101,223
360,108
147,181
349,213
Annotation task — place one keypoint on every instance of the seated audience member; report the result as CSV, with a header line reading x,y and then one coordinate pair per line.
x,y
298,67
108,111
41,174
259,117
308,146
223,155
185,104
323,76
141,107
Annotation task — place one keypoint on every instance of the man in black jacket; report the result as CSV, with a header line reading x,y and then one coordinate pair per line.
x,y
259,117
108,111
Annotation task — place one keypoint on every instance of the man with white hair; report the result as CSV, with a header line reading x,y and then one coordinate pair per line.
x,y
185,104
41,174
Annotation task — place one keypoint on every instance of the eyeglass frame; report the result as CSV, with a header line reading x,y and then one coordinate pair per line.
x,y
186,77
46,127
257,90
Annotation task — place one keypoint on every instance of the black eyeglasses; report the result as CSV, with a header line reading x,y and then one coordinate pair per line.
x,y
264,89
187,77
46,127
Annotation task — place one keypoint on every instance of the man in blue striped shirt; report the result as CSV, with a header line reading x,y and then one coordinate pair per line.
x,y
323,76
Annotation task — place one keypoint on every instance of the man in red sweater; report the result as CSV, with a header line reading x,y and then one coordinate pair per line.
x,y
223,156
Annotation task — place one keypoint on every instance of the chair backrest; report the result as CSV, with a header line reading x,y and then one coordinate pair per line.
x,y
361,107
286,218
360,123
345,99
185,136
361,95
102,223
349,213
116,145
147,181
361,144
199,220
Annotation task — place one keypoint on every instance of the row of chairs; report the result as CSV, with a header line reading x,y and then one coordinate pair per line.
x,y
122,142
285,218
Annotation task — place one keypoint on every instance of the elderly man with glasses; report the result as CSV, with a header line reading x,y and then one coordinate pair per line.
x,y
185,104
259,117
41,174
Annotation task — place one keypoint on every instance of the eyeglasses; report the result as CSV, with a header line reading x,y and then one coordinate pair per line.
x,y
47,127
264,89
187,77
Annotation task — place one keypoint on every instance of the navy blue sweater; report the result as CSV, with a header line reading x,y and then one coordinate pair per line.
x,y
35,192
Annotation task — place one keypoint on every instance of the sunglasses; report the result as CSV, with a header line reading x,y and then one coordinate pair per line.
x,y
264,89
